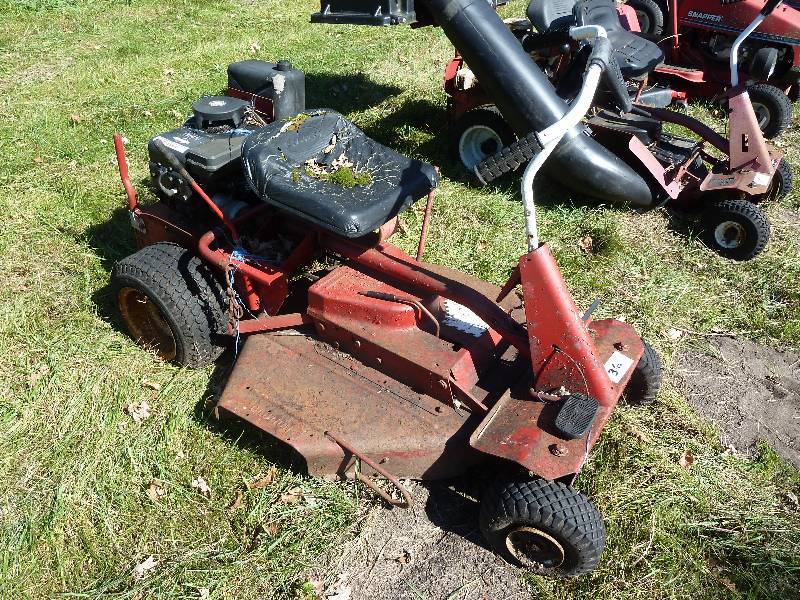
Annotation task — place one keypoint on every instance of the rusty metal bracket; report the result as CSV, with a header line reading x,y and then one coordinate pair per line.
x,y
406,502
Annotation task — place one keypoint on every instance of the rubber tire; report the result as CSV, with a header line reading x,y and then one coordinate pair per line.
x,y
645,382
552,507
653,12
777,105
783,181
186,292
488,116
749,216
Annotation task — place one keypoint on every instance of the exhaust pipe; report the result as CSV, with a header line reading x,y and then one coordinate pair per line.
x,y
529,103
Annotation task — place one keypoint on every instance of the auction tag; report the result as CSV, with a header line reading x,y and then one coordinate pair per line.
x,y
617,365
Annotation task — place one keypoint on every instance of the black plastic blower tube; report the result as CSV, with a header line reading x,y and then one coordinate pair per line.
x,y
529,103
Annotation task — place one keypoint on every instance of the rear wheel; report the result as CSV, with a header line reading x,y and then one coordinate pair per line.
x,y
772,107
543,526
736,229
171,302
481,133
650,15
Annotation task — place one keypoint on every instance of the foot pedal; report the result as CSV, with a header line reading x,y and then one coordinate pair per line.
x,y
576,415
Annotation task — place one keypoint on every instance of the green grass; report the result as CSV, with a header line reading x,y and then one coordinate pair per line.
x,y
75,516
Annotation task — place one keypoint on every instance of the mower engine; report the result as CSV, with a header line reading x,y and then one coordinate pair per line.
x,y
209,143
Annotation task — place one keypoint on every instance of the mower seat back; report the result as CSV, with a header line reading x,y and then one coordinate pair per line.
x,y
635,55
289,164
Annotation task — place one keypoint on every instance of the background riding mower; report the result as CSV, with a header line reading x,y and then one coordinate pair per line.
x,y
392,366
700,45
721,187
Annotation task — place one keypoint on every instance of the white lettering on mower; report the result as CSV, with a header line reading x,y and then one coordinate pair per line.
x,y
170,144
617,365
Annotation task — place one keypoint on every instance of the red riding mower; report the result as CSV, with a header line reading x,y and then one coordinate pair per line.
x,y
703,34
722,187
358,358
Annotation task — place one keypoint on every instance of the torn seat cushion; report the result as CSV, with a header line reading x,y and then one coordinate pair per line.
x,y
275,160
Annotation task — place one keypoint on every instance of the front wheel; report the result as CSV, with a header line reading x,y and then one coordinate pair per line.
x,y
772,107
645,382
543,526
736,229
481,133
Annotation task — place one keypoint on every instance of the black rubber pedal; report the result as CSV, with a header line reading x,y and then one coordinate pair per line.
x,y
576,415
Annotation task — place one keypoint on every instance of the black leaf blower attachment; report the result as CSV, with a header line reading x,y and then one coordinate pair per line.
x,y
523,94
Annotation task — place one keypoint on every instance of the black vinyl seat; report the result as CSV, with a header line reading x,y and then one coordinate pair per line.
x,y
635,55
275,160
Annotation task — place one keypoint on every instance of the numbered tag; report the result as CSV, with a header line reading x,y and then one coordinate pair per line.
x,y
617,365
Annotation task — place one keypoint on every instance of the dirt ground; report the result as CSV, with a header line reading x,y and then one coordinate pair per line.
x,y
749,391
432,552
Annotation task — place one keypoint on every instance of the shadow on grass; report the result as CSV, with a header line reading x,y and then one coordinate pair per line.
x,y
346,93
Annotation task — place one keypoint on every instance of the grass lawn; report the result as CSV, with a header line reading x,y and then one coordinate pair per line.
x,y
76,513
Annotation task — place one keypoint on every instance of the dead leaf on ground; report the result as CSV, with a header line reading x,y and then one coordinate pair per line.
x,y
147,113
169,72
293,495
151,384
402,226
404,557
177,114
156,490
271,529
202,487
254,47
686,460
203,593
265,479
138,411
75,119
728,584
238,502
140,570
674,334
38,160
792,497
586,243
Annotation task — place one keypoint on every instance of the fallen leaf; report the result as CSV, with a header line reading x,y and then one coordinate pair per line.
x,y
263,480
97,46
586,243
686,460
151,384
674,334
293,495
138,411
177,114
793,498
202,487
156,490
482,245
203,593
147,113
728,584
238,502
38,160
404,557
342,593
271,529
75,119
140,570
254,47
169,72
402,226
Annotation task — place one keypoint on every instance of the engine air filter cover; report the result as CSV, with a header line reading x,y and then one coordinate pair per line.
x,y
219,110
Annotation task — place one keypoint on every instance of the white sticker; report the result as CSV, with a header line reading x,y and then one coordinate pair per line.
x,y
617,365
762,179
463,319
173,145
